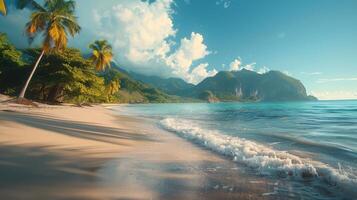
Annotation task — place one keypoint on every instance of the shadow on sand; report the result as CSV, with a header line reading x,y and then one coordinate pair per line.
x,y
75,129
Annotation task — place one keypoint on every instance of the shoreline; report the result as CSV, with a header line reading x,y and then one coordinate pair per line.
x,y
57,152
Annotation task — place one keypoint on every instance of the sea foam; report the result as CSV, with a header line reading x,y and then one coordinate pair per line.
x,y
262,158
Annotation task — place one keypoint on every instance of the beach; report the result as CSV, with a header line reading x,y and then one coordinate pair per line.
x,y
70,152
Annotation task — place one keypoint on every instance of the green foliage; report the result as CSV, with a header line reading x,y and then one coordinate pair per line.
x,y
9,56
11,66
171,86
55,20
102,54
132,91
67,77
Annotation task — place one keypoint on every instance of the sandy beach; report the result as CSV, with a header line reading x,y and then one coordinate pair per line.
x,y
68,152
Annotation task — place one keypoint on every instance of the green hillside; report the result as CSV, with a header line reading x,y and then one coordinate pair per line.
x,y
169,85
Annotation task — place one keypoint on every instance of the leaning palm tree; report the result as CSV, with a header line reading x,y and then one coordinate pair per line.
x,y
55,20
2,7
102,54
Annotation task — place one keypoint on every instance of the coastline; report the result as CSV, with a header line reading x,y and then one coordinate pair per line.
x,y
61,152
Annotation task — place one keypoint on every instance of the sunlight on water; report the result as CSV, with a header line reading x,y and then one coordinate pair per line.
x,y
301,140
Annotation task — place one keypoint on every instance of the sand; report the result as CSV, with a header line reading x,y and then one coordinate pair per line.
x,y
68,152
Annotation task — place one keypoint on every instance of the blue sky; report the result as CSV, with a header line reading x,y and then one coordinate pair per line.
x,y
312,40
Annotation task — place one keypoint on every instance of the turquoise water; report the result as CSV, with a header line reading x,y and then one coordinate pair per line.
x,y
314,141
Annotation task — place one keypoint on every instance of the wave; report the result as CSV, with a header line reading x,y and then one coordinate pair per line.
x,y
264,159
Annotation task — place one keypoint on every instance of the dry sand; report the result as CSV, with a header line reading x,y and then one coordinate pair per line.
x,y
67,152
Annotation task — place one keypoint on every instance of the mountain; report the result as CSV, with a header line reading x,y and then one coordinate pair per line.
x,y
169,85
247,85
134,91
243,85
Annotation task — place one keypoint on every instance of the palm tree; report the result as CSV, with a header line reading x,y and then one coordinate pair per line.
x,y
2,7
55,19
102,54
112,87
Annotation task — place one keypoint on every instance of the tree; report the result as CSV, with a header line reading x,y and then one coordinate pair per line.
x,y
9,55
65,76
55,20
11,67
101,55
112,84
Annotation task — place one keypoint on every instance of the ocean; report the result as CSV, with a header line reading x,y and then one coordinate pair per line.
x,y
312,145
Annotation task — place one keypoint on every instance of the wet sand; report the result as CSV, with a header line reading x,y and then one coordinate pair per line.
x,y
66,152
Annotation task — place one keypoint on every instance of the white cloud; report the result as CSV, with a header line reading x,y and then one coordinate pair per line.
x,y
142,35
330,95
139,30
325,80
250,66
287,73
200,72
190,49
263,70
235,64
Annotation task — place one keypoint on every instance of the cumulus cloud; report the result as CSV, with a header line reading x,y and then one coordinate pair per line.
x,y
190,49
263,70
139,30
249,67
142,34
200,72
287,73
235,64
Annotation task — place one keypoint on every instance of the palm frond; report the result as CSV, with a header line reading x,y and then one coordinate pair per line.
x,y
31,4
55,20
101,55
2,7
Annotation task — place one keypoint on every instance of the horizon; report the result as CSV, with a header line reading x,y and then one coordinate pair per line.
x,y
194,40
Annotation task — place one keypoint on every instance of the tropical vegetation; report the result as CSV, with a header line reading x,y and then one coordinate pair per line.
x,y
102,54
2,7
55,20
68,76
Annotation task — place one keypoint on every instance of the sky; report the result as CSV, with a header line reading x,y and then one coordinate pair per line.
x,y
314,41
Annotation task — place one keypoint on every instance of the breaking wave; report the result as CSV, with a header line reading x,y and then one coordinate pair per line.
x,y
263,159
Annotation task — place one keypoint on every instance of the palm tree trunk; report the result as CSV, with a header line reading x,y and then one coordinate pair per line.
x,y
23,91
